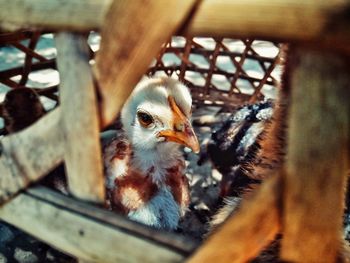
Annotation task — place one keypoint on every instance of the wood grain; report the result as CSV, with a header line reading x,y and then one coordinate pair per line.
x,y
90,233
28,155
80,118
132,36
317,161
318,21
77,15
321,22
252,228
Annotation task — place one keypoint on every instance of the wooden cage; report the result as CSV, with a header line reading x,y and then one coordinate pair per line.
x,y
132,34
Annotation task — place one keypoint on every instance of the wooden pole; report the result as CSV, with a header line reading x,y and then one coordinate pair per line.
x,y
28,155
252,228
317,162
322,22
296,19
80,118
133,33
77,15
90,233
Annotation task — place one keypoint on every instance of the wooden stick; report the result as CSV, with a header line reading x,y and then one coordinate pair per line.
x,y
8,73
79,118
28,155
29,52
323,22
77,15
253,227
132,36
28,61
319,21
90,233
10,83
317,161
11,38
257,92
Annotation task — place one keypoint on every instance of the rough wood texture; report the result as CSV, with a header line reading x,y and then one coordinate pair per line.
x,y
241,238
317,159
28,155
81,15
320,21
90,233
228,93
80,118
133,34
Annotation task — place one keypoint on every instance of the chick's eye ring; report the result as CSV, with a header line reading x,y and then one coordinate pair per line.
x,y
144,118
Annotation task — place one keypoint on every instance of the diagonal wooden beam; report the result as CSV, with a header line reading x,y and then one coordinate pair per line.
x,y
324,23
132,36
321,22
28,155
91,233
252,228
317,160
77,15
80,118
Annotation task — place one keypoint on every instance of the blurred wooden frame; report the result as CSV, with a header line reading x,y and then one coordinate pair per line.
x,y
132,34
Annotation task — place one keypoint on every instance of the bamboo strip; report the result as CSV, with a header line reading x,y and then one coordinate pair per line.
x,y
28,155
295,19
29,51
90,233
149,24
29,59
79,118
51,63
185,58
323,22
253,227
317,161
78,15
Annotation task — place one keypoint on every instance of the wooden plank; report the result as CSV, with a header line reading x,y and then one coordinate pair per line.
x,y
28,155
133,34
77,15
322,22
317,162
80,118
90,233
253,227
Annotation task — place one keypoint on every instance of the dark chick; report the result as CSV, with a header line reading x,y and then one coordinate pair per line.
x,y
21,108
247,149
234,146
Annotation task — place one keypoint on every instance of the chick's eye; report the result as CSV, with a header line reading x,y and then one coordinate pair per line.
x,y
144,118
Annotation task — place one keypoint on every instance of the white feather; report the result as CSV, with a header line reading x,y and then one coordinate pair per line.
x,y
151,152
161,211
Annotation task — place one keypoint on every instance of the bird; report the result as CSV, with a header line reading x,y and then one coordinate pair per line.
x,y
246,149
21,108
144,166
234,145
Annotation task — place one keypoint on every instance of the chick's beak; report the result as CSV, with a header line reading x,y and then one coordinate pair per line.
x,y
182,131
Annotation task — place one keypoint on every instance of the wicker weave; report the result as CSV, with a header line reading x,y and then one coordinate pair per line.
x,y
221,72
33,61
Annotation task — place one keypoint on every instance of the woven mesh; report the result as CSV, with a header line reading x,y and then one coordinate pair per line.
x,y
221,72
